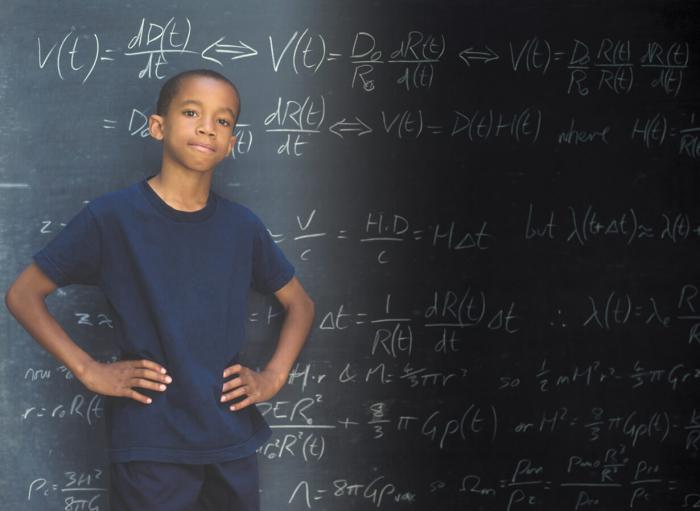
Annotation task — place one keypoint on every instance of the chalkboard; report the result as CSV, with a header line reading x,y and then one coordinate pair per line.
x,y
494,205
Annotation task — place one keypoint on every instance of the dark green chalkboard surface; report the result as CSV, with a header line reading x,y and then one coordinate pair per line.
x,y
494,205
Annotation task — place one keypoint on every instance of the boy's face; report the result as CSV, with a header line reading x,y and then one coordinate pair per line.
x,y
197,130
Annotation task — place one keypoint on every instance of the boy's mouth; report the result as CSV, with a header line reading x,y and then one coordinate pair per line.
x,y
203,147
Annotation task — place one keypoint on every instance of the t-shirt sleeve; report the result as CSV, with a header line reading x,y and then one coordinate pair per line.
x,y
73,254
271,269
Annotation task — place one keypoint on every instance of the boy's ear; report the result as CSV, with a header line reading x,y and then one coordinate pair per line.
x,y
231,143
155,126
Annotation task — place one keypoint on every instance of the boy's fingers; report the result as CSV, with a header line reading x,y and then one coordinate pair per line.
x,y
153,375
240,391
236,368
138,397
232,384
241,404
147,384
151,365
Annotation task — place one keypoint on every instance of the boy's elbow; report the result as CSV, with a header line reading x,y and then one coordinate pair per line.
x,y
7,298
12,298
308,302
11,293
29,286
304,303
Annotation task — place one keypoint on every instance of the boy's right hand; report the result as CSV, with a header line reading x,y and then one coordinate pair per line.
x,y
119,378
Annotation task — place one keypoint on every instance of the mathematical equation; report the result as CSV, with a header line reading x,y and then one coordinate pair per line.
x,y
79,491
580,227
606,64
530,485
298,120
449,312
579,482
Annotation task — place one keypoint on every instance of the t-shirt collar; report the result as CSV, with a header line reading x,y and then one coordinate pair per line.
x,y
177,214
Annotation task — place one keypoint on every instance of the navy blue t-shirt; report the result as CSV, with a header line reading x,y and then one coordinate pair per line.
x,y
179,284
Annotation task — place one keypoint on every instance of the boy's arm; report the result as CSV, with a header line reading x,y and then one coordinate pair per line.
x,y
25,301
299,315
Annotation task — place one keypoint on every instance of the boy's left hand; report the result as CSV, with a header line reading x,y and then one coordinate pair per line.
x,y
257,386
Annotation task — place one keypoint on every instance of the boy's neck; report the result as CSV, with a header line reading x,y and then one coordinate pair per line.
x,y
182,191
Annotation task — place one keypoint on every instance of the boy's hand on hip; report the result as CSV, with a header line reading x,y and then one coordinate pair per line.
x,y
119,378
256,386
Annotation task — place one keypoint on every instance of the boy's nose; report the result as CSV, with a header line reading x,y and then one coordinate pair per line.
x,y
205,128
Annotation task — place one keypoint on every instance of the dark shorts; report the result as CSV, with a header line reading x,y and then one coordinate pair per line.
x,y
155,486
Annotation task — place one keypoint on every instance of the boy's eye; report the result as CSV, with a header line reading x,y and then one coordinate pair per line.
x,y
225,122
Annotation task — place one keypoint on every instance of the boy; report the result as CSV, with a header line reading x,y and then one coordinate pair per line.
x,y
176,261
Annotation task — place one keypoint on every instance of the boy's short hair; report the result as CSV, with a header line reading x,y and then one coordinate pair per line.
x,y
172,85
